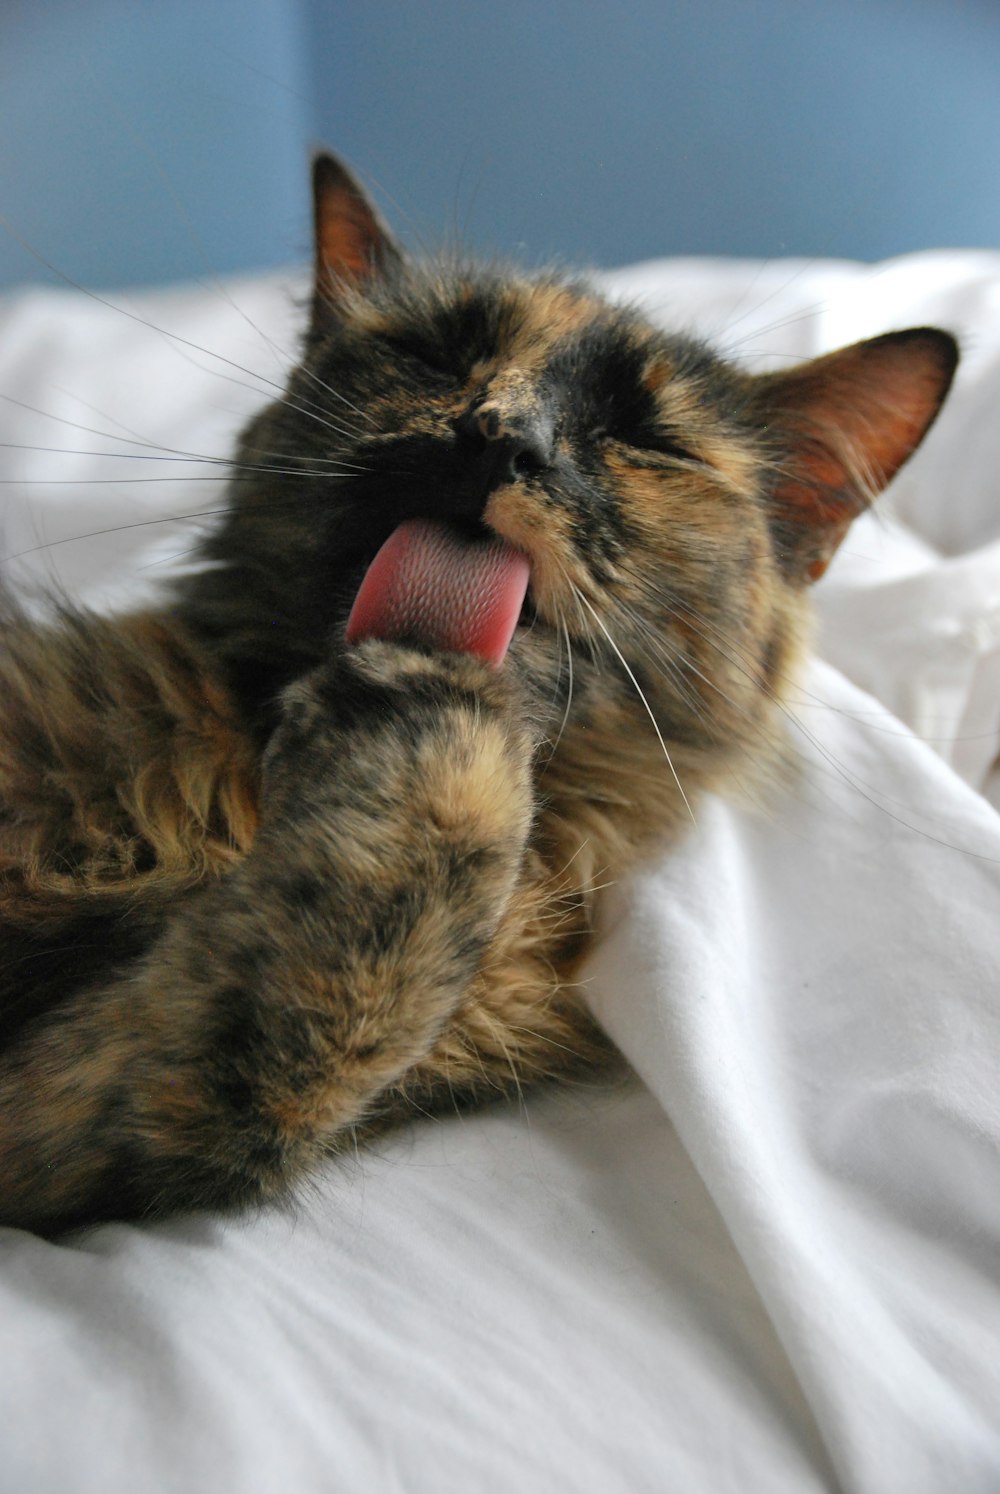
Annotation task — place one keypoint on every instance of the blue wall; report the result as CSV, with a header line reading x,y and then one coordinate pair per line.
x,y
150,139
144,140
614,131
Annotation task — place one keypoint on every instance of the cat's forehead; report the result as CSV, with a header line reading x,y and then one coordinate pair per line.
x,y
540,316
518,320
437,334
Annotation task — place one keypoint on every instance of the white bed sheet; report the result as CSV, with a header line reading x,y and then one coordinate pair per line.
x,y
768,1262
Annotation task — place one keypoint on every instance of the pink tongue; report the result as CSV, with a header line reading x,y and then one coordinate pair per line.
x,y
432,583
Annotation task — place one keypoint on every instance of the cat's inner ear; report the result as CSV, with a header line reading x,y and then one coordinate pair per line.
x,y
352,243
841,427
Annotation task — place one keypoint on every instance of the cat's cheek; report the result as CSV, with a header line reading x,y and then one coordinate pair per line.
x,y
545,533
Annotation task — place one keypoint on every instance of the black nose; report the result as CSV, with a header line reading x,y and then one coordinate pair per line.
x,y
506,448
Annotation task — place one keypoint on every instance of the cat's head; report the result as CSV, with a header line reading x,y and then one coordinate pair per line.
x,y
674,509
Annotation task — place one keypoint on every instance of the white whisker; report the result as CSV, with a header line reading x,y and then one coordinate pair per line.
x,y
638,689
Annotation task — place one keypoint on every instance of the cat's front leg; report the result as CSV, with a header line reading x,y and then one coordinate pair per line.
x,y
281,1003
397,806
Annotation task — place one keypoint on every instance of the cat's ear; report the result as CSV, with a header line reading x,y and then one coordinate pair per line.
x,y
841,426
351,242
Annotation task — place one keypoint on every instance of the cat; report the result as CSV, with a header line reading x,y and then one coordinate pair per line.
x,y
280,865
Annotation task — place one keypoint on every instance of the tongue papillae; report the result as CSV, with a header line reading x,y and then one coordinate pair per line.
x,y
444,588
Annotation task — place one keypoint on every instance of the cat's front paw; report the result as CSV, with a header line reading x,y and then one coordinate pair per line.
x,y
381,688
384,665
392,737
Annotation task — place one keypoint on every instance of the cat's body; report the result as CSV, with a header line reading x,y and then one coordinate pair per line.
x,y
261,887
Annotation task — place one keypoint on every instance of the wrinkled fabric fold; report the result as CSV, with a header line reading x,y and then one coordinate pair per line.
x,y
820,1031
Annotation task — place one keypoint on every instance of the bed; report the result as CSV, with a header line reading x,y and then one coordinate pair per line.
x,y
768,1257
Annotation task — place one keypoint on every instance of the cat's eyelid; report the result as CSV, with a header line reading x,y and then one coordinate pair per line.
x,y
672,449
422,352
651,446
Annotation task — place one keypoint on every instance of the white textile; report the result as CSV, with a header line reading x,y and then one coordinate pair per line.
x,y
768,1263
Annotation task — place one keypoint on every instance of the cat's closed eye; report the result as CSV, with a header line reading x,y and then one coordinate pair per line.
x,y
647,439
426,356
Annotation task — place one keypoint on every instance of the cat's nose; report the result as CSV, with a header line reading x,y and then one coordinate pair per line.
x,y
511,447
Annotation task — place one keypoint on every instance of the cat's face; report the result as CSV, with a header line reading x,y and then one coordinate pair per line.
x,y
672,508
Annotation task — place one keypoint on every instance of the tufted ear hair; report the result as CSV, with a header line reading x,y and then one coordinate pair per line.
x,y
840,428
352,244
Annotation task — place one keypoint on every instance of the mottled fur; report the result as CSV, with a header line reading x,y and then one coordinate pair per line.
x,y
259,888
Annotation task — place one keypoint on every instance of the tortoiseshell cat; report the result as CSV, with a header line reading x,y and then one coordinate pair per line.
x,y
262,885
